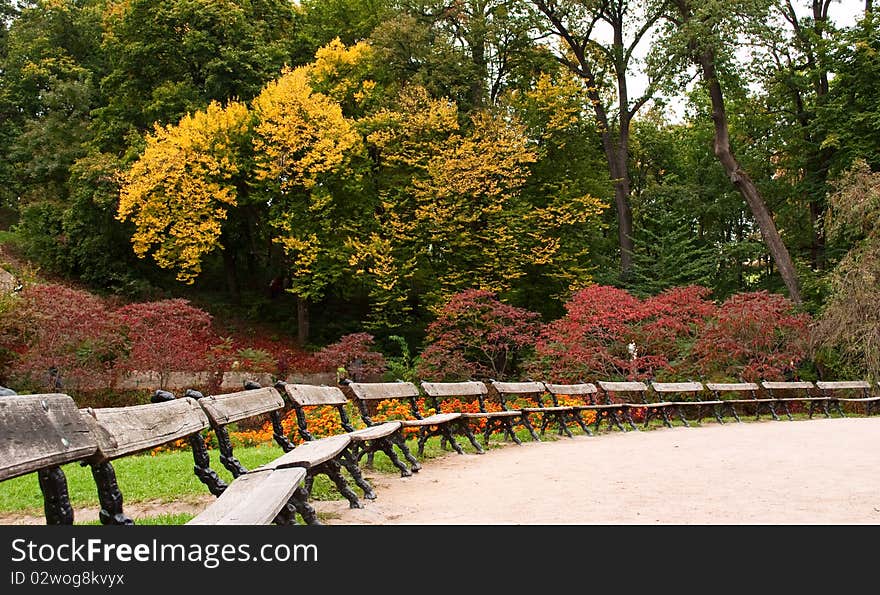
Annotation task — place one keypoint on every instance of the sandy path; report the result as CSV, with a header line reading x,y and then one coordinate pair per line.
x,y
822,471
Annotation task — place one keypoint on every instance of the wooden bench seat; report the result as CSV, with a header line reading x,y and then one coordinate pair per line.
x,y
255,498
364,393
689,397
431,420
752,398
534,392
582,390
326,458
802,391
627,396
471,391
859,391
365,442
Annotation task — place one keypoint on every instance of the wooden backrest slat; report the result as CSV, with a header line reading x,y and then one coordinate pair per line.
x,y
518,388
786,385
454,389
732,386
127,430
842,384
231,407
677,387
586,388
39,431
305,395
622,387
374,391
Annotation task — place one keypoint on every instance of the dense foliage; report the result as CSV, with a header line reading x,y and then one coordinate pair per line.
x,y
330,169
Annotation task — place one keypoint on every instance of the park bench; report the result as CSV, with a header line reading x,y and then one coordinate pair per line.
x,y
533,392
584,390
493,420
41,433
684,396
366,441
853,391
802,391
629,396
749,397
316,457
366,394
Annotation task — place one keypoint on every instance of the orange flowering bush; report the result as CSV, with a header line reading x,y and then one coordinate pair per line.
x,y
396,409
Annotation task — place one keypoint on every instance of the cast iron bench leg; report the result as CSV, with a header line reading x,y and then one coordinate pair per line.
x,y
580,421
400,441
56,497
349,461
528,425
447,434
387,446
300,501
109,496
332,469
466,429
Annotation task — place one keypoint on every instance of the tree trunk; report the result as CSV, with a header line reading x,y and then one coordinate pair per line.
x,y
302,321
744,183
616,153
231,273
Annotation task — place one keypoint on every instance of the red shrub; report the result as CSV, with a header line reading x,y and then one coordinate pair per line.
x,y
355,353
592,340
167,336
477,336
66,339
755,336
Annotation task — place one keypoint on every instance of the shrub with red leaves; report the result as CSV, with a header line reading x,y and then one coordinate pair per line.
x,y
354,352
63,338
477,336
607,333
166,336
755,336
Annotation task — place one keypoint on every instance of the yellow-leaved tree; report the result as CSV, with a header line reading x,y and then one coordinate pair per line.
x,y
304,147
178,193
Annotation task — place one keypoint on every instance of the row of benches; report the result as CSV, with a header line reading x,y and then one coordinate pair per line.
x,y
39,433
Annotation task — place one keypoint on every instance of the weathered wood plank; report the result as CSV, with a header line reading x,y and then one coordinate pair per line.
x,y
372,391
518,388
677,387
454,389
786,385
310,454
433,420
232,407
252,499
585,388
305,395
374,432
492,414
622,387
127,430
39,431
732,386
843,385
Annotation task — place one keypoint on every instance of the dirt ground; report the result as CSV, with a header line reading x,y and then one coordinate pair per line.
x,y
821,471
